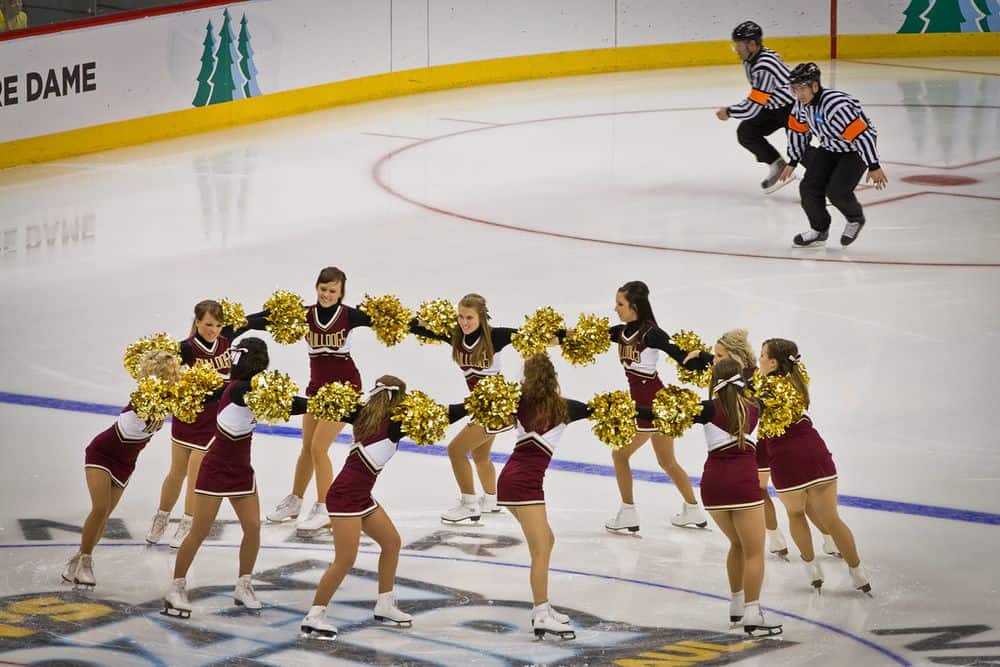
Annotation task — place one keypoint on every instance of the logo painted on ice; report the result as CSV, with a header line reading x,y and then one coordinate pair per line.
x,y
449,626
228,71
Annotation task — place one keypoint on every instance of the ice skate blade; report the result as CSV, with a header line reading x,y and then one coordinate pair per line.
x,y
173,612
777,186
757,631
703,524
385,620
83,588
626,530
818,586
563,635
866,589
322,635
472,521
782,554
833,554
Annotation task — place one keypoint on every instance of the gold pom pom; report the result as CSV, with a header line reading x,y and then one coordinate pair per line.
x,y
689,341
270,396
233,314
438,316
334,401
613,414
286,317
586,340
492,402
674,409
195,384
423,420
153,399
782,404
538,329
134,352
390,318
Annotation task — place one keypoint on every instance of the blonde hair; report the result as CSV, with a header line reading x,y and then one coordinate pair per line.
x,y
378,408
485,351
731,398
737,343
161,364
786,353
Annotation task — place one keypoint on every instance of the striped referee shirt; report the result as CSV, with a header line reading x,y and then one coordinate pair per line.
x,y
839,122
768,77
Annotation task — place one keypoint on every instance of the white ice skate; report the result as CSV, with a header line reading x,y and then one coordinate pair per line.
x,y
690,516
387,612
464,511
317,519
543,623
84,580
860,580
814,574
69,574
316,626
830,547
773,183
488,504
627,519
558,616
756,624
175,603
736,607
160,521
183,528
244,595
288,508
776,544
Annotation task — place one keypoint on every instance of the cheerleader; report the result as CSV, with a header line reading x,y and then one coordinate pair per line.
x,y
735,344
226,473
541,418
330,326
639,342
730,492
352,510
474,347
804,475
208,343
109,461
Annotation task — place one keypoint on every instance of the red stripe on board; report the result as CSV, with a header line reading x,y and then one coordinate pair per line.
x,y
117,17
833,29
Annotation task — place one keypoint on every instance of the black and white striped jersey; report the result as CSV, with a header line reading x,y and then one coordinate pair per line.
x,y
839,122
768,77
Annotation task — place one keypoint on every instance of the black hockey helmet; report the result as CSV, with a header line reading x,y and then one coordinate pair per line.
x,y
804,73
746,31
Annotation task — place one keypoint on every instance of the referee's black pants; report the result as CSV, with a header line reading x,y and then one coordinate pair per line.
x,y
752,132
831,176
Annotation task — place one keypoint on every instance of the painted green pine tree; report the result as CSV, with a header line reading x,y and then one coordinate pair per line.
x,y
991,15
247,65
207,65
227,79
914,16
944,16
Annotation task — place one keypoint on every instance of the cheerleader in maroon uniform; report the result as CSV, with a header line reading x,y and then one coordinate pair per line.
x,y
731,494
226,472
208,343
541,418
474,347
735,344
109,461
804,475
640,341
330,325
352,509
